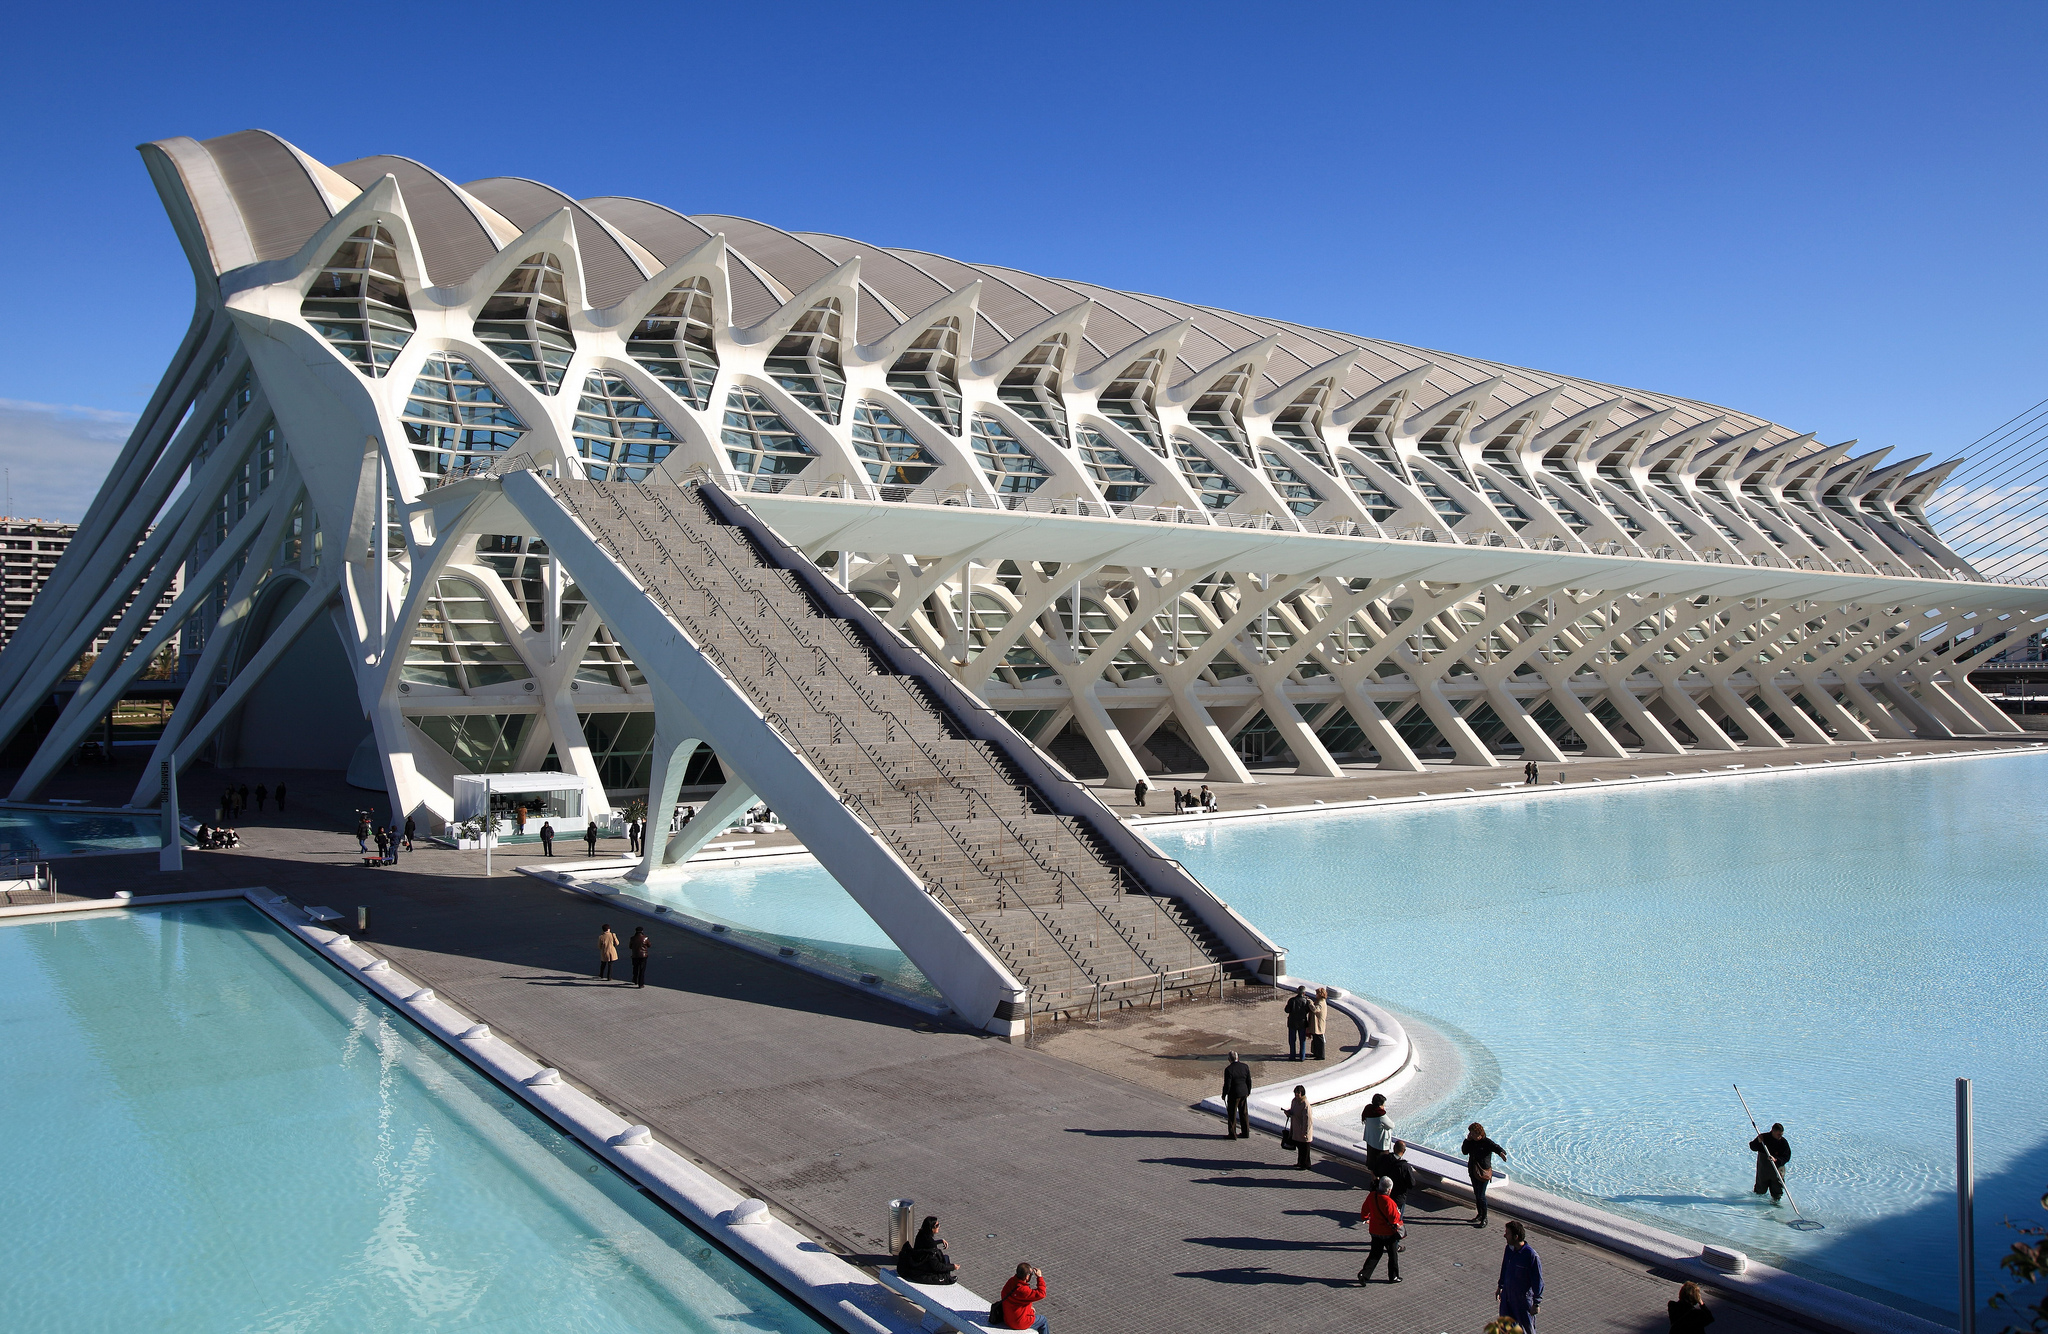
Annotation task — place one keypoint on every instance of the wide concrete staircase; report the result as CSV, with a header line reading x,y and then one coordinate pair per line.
x,y
1046,896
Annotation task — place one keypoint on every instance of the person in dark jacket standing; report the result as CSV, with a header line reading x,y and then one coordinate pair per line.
x,y
411,827
1297,1024
1382,1219
1479,1152
1772,1152
1400,1172
590,837
926,1260
262,795
1520,1289
1237,1094
1689,1314
547,838
280,796
1138,791
638,947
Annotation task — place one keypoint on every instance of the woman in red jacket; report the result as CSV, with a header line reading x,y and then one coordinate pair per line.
x,y
1019,1293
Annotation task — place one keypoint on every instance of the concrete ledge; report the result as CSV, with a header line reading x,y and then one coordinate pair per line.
x,y
1384,1060
1556,788
130,901
832,1287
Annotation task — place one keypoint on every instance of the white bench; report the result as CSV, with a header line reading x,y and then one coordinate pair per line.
x,y
946,1305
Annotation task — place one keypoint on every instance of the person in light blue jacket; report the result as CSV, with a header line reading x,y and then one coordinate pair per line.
x,y
1521,1279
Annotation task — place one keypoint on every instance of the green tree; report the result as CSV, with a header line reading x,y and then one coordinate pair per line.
x,y
2027,1262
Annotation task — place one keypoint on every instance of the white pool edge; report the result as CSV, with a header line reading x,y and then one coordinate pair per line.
x,y
831,1287
1389,1062
1561,788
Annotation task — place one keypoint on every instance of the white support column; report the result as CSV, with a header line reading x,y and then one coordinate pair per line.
x,y
711,820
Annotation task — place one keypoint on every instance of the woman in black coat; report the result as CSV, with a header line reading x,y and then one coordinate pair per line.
x,y
1479,1152
925,1260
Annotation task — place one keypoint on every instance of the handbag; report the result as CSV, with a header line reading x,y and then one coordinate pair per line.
x,y
1287,1139
1484,1174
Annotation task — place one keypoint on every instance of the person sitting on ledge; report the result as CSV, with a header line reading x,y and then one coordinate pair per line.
x,y
1020,1293
925,1260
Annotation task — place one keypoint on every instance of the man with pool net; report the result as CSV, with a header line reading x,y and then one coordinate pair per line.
x,y
1772,1152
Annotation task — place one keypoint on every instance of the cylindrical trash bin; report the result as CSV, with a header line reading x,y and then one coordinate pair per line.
x,y
902,1231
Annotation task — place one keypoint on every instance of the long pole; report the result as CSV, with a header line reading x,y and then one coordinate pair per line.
x,y
490,826
1776,1171
1966,1212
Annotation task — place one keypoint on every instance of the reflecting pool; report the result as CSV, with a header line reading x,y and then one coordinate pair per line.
x,y
210,1129
56,832
1843,944
786,903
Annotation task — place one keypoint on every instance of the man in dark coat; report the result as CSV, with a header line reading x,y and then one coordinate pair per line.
x,y
1397,1169
1298,1024
638,947
1237,1092
590,837
1772,1152
547,839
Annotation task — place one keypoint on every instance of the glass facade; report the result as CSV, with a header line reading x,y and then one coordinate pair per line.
x,y
460,642
454,418
618,435
1120,480
527,323
1032,389
805,363
1128,400
358,303
928,376
759,443
1208,481
1010,467
673,341
890,453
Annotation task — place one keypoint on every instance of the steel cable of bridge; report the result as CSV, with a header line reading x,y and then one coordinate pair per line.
x,y
2010,455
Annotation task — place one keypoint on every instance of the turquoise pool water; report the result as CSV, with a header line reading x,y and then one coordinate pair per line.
x,y
55,832
1844,944
208,1129
789,903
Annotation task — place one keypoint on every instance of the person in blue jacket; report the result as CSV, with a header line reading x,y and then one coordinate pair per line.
x,y
1521,1279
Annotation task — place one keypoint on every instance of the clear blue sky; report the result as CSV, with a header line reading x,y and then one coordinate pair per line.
x,y
1827,214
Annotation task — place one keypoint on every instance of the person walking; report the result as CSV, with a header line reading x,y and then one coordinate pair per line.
x,y
1376,1128
1479,1152
262,795
1021,1293
1382,1219
1138,791
636,838
1689,1314
1772,1152
1520,1289
384,845
1301,1127
1237,1095
607,952
362,829
547,839
280,796
1318,1015
1297,1024
242,797
590,837
411,828
638,947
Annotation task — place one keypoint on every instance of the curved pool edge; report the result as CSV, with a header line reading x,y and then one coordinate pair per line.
x,y
1389,1063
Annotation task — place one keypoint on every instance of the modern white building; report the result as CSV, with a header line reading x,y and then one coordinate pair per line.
x,y
1150,534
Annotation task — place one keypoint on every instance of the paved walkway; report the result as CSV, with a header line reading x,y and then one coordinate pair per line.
x,y
827,1103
